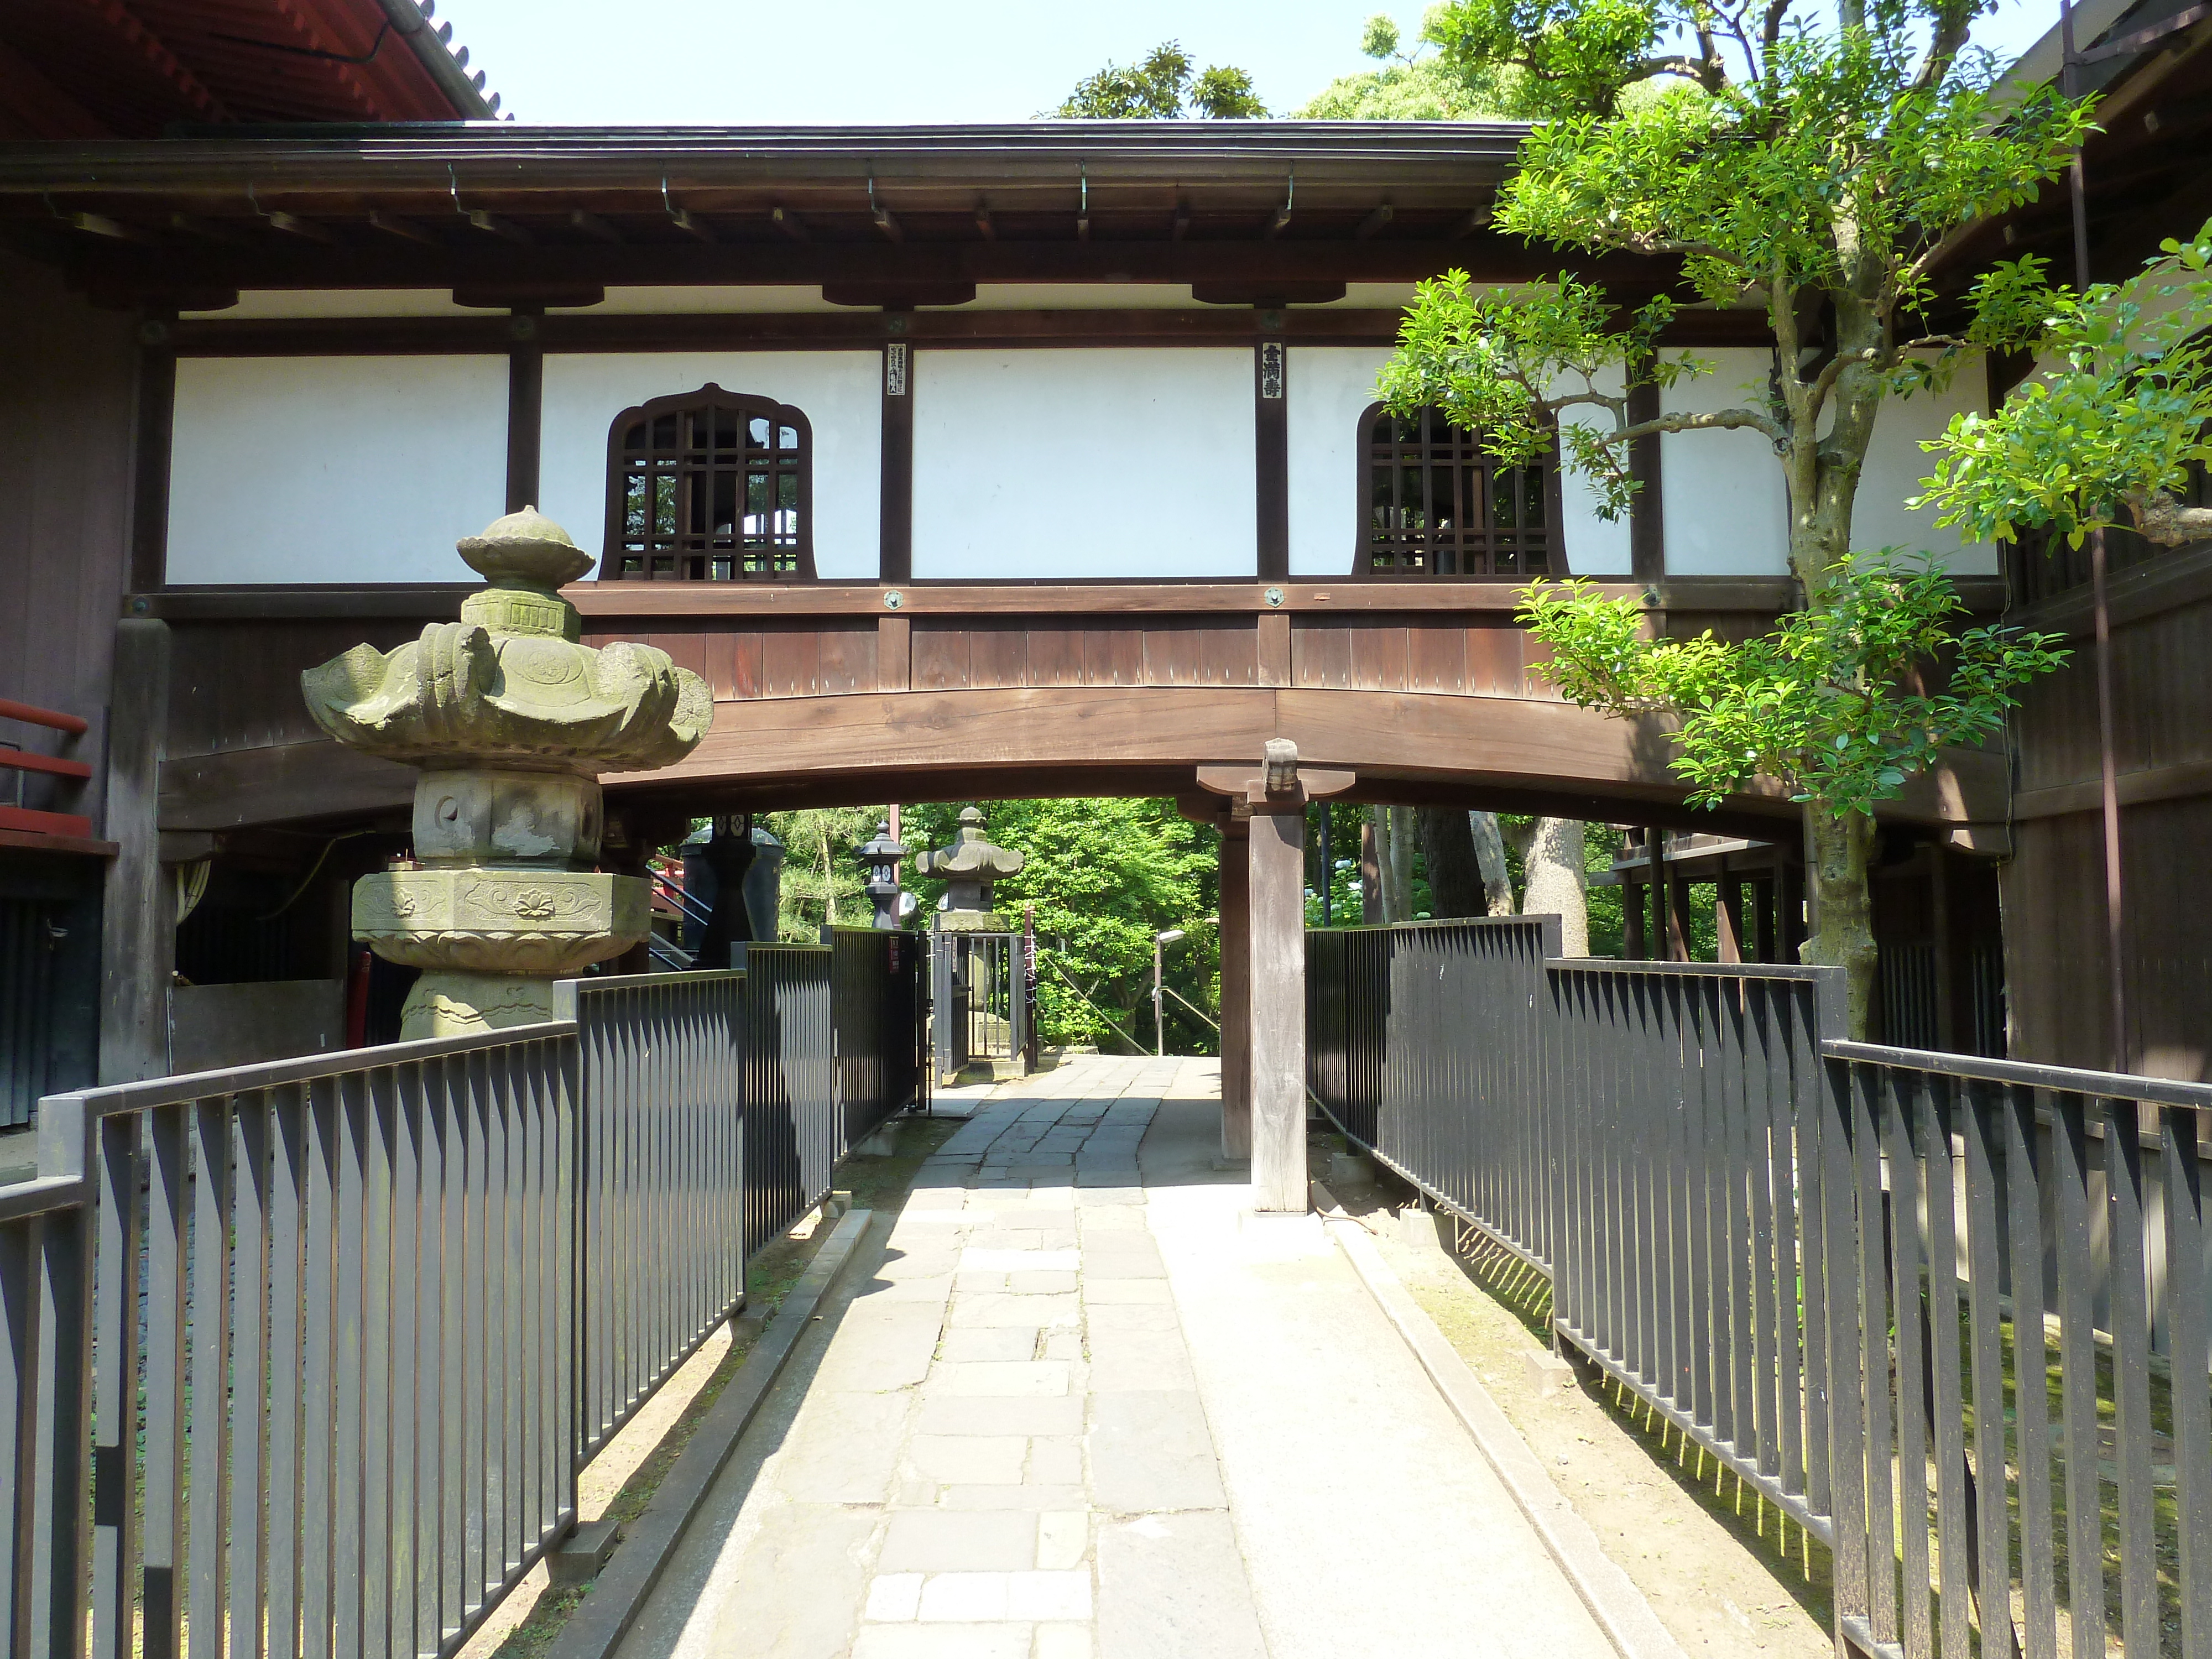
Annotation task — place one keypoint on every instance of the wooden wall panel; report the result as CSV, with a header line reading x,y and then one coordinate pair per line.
x,y
1114,656
1379,656
1494,657
1055,656
66,465
849,660
1436,659
791,663
236,684
1229,656
1321,656
1170,656
999,654
940,657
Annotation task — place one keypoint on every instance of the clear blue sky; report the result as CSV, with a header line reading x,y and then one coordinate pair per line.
x,y
848,62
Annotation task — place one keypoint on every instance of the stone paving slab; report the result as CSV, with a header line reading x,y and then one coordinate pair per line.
x,y
1072,1410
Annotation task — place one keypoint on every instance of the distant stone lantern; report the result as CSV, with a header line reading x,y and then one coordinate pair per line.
x,y
880,857
968,868
510,721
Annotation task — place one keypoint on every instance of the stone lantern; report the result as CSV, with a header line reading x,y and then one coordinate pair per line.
x,y
968,867
880,857
510,721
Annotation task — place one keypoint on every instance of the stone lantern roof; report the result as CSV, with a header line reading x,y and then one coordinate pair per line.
x,y
968,867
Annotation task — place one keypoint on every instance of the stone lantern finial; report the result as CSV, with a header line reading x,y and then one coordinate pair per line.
x,y
510,720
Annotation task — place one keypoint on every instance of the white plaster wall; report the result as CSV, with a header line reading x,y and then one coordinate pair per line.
x,y
1329,388
839,392
333,469
1896,464
1728,508
1083,463
1595,546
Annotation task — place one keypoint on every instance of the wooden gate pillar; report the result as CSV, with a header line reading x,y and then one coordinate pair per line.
x,y
1235,990
1274,799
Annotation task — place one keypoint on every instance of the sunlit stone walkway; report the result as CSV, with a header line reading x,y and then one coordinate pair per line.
x,y
1076,1399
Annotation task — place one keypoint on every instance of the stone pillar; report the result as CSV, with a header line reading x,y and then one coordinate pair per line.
x,y
1236,991
510,721
1277,1000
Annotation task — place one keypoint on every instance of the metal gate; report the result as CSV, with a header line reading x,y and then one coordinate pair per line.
x,y
977,988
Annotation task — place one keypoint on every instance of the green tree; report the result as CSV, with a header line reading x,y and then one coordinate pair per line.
x,y
1105,876
1812,173
1163,88
822,885
2107,434
1410,86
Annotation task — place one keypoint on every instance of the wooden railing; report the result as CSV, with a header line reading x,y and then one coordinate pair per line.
x,y
13,758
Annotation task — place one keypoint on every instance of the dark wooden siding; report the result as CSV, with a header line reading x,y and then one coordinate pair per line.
x,y
2054,886
67,373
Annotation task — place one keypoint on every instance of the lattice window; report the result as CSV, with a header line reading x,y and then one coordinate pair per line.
x,y
710,486
1433,503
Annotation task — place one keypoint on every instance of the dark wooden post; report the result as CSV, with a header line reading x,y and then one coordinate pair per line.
x,y
138,922
1632,908
1235,990
1727,914
1276,998
526,408
1678,919
1655,854
895,560
1790,907
1272,798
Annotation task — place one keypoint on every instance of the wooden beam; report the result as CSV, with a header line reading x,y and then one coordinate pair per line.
x,y
405,229
506,229
1375,222
592,225
292,225
984,228
789,223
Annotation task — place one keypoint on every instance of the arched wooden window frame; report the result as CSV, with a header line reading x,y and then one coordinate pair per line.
x,y
1363,567
709,398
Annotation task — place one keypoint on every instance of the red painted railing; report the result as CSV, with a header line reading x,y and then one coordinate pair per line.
x,y
24,818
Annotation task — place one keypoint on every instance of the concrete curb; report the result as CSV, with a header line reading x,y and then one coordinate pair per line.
x,y
596,1624
1613,1601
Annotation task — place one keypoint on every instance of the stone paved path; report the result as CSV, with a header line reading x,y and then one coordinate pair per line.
x,y
1085,1404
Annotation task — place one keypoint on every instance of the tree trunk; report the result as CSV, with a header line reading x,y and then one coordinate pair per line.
x,y
1839,849
1371,871
1490,853
1456,876
1559,881
1398,892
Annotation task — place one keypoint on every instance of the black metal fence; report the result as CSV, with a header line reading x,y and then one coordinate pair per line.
x,y
1948,1313
303,1358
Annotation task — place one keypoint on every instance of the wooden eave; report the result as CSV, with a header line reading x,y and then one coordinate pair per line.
x,y
492,207
2145,168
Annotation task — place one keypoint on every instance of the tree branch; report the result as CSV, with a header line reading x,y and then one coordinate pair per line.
x,y
2165,520
1722,420
1824,382
1951,23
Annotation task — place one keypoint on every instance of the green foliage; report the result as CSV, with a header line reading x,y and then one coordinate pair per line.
x,y
1411,86
1505,362
1816,179
1159,88
1105,876
1830,704
822,884
2108,433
